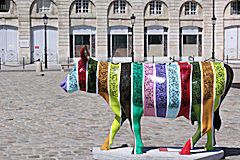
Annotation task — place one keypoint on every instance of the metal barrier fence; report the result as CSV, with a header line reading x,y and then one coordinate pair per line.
x,y
23,64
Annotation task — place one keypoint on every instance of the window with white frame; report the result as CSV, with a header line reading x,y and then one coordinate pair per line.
x,y
119,6
190,8
43,6
155,7
82,6
235,7
4,5
191,41
155,44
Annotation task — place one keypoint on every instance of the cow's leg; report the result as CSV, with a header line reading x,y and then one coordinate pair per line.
x,y
117,122
210,140
192,141
136,128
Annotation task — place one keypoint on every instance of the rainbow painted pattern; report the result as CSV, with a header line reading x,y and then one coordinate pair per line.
x,y
163,90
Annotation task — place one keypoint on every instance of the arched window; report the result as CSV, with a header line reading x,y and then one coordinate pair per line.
x,y
43,6
4,5
190,8
155,7
235,7
82,6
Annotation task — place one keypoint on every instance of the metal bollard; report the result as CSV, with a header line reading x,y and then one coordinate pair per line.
x,y
153,59
0,63
23,62
68,62
38,66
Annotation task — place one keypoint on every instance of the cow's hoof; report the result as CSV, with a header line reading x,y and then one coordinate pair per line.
x,y
209,148
138,151
105,147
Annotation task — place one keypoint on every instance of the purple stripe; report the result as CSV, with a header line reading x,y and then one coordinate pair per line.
x,y
149,90
161,90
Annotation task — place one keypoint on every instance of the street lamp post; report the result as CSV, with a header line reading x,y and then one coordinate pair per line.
x,y
45,21
213,25
133,22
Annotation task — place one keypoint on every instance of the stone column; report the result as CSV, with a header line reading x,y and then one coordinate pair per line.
x,y
138,39
207,30
101,30
24,29
63,31
219,30
173,39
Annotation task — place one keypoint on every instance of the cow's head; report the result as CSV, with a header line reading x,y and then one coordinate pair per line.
x,y
76,79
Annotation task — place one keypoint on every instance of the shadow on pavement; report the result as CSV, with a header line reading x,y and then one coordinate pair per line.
x,y
231,151
235,85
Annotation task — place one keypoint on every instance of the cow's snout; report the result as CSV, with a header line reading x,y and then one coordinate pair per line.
x,y
64,84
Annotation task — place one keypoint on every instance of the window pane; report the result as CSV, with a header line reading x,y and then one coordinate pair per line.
x,y
82,6
78,6
233,8
120,41
193,8
154,39
155,7
238,7
43,6
122,6
115,6
119,6
85,6
158,7
189,39
82,40
151,7
4,5
186,8
190,8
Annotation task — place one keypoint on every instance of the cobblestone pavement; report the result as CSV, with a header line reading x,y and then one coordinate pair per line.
x,y
38,120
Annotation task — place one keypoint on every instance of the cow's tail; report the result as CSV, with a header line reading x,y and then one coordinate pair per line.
x,y
217,119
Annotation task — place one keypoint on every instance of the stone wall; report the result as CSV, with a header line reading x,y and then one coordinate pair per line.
x,y
63,17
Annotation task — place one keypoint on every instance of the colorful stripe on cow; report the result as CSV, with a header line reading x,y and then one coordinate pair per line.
x,y
162,90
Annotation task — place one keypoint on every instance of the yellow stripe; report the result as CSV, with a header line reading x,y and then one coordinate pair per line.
x,y
208,95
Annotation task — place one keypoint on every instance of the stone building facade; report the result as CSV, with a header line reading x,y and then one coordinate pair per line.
x,y
163,28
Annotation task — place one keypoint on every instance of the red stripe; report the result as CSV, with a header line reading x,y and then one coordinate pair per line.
x,y
82,71
185,72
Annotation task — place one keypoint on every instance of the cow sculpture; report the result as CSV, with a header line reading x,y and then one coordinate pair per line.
x,y
194,90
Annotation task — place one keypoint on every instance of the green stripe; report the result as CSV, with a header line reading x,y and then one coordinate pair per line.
x,y
92,71
137,84
137,104
196,92
219,82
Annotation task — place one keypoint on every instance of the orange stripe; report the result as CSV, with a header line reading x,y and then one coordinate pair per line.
x,y
103,81
208,81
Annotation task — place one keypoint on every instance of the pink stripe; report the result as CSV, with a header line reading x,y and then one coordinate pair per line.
x,y
148,90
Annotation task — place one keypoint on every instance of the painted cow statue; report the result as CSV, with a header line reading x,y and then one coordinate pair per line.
x,y
194,90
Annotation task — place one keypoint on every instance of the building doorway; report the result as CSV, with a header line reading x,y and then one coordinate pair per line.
x,y
232,42
8,44
38,44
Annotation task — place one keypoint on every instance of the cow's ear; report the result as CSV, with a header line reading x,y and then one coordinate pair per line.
x,y
84,53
